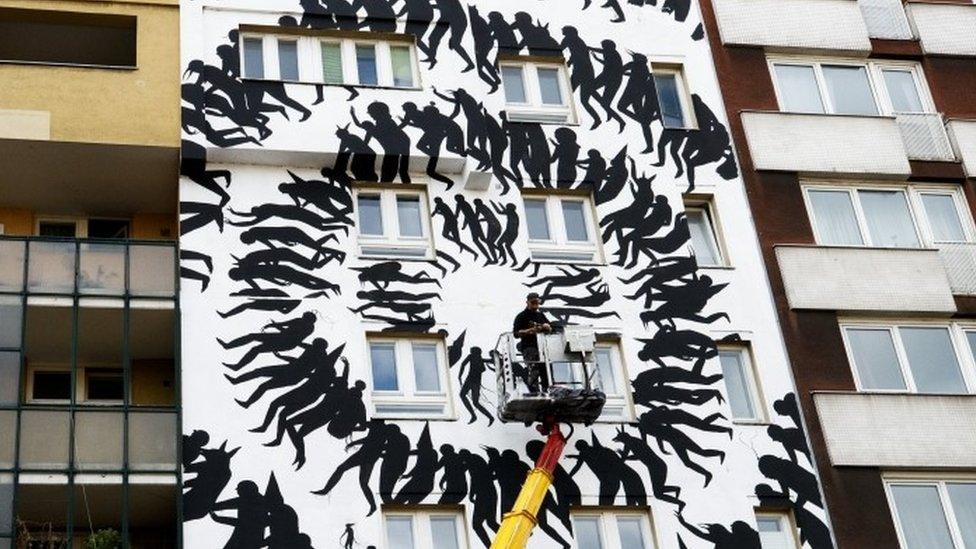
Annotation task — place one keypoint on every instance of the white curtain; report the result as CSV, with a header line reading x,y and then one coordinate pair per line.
x,y
932,360
835,219
888,218
963,497
922,521
943,218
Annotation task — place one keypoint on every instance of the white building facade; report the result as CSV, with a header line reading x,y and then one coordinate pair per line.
x,y
369,191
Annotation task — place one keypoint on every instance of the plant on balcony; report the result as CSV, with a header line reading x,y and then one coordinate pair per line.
x,y
32,534
106,538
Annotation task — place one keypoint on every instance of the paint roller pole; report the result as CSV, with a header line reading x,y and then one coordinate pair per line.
x,y
518,523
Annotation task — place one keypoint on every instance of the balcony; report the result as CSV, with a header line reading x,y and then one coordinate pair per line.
x,y
963,133
865,279
826,144
886,19
798,25
925,137
959,260
945,29
898,430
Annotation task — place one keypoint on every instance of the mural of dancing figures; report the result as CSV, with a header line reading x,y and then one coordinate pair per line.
x,y
370,190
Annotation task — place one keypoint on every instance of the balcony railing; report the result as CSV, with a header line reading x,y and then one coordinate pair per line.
x,y
963,134
886,19
90,267
959,260
925,136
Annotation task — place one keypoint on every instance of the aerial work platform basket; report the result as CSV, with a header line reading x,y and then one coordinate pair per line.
x,y
568,387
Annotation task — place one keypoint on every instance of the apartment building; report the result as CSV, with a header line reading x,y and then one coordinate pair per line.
x,y
89,166
370,189
855,124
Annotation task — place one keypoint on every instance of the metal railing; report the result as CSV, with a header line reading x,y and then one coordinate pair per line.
x,y
925,136
886,19
959,259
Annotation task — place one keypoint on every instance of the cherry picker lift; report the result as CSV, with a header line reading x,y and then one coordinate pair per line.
x,y
571,396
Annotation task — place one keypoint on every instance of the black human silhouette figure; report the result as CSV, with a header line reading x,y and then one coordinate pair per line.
x,y
498,143
685,345
420,481
275,337
355,154
529,147
792,478
200,214
186,272
492,228
692,149
454,480
370,452
595,167
283,527
510,473
192,446
739,536
465,213
380,15
813,531
571,276
282,306
792,439
660,423
503,34
289,212
292,237
419,15
567,492
456,349
635,449
450,230
438,130
391,137
535,36
470,393
615,179
251,520
565,154
684,301
348,536
484,42
611,471
639,98
659,275
453,19
288,374
509,234
396,453
582,74
333,199
610,79
205,475
482,495
381,275
279,275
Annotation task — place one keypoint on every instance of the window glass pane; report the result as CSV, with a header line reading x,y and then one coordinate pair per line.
x,y
940,209
963,497
152,441
537,219
11,266
11,321
253,58
103,385
370,215
738,383
932,360
834,216
6,504
152,270
402,66
608,378
630,532
549,87
889,220
98,440
702,238
44,439
8,432
425,369
383,360
108,228
9,377
51,385
101,269
64,229
923,524
52,267
288,59
669,99
408,216
971,337
849,89
772,535
514,84
575,220
366,64
874,357
798,89
902,91
332,63
587,533
443,530
399,532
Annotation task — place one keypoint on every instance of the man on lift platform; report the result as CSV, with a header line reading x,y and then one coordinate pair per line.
x,y
528,324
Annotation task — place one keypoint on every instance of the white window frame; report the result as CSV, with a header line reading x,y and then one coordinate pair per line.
x,y
420,519
407,402
32,369
310,59
957,337
785,519
912,193
83,375
618,406
684,93
938,480
879,90
390,244
715,231
81,223
558,248
610,535
754,385
534,110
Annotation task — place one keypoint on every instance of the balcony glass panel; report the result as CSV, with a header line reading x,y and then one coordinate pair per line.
x,y
101,269
152,512
100,341
98,440
152,441
44,439
6,504
8,434
152,270
11,265
51,267
104,505
11,320
42,514
9,377
152,352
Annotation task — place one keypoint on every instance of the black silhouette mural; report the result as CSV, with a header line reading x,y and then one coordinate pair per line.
x,y
290,296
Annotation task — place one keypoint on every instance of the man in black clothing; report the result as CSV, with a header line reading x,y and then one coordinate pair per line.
x,y
527,325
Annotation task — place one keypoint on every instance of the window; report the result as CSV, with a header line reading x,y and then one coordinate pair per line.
x,y
536,91
776,531
353,59
904,217
934,514
409,377
60,229
850,87
919,358
672,97
561,228
50,385
104,385
393,223
704,239
67,38
81,227
599,529
740,384
440,529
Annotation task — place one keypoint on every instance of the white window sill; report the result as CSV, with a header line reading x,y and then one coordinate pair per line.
x,y
716,267
532,115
